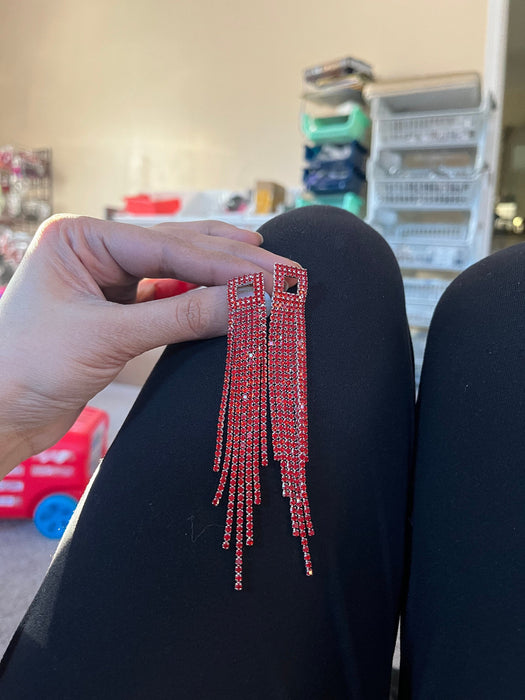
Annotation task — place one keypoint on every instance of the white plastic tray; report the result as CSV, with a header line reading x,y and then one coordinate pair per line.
x,y
419,339
433,245
429,162
437,128
422,295
418,255
428,193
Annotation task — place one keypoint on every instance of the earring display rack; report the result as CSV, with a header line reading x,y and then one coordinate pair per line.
x,y
27,187
25,201
428,177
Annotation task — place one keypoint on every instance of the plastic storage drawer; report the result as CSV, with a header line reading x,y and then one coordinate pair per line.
x,y
428,163
422,295
353,153
440,129
419,339
429,193
337,129
334,177
353,203
432,257
436,246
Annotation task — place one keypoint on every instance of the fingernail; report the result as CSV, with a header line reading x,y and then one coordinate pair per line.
x,y
298,264
261,237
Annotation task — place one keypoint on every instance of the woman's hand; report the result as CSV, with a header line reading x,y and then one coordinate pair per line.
x,y
68,321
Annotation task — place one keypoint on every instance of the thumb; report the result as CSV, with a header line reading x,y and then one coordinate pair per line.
x,y
199,313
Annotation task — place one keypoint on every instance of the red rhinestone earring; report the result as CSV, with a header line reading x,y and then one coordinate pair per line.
x,y
249,373
243,408
288,397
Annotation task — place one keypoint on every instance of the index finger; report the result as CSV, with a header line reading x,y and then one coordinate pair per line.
x,y
219,239
212,227
118,254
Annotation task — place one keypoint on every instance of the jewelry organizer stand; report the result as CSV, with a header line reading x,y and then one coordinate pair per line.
x,y
26,182
25,201
427,184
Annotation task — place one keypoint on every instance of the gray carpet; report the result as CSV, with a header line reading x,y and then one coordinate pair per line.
x,y
25,554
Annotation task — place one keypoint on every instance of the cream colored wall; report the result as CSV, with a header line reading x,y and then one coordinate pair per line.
x,y
165,94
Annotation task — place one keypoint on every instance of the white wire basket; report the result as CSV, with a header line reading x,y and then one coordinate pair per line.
x,y
420,315
422,295
419,255
443,129
429,193
432,232
425,289
428,162
419,340
432,245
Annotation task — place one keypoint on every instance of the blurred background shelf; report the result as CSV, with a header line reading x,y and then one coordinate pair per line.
x,y
428,176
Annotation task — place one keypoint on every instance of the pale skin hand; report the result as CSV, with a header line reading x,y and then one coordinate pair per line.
x,y
68,321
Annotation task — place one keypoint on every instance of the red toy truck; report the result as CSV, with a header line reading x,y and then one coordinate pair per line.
x,y
47,487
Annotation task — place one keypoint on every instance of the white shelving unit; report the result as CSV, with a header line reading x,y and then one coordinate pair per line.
x,y
428,179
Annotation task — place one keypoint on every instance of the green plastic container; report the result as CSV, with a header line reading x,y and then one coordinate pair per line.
x,y
340,129
349,201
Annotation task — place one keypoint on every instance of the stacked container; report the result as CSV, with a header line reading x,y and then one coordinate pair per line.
x,y
427,177
336,124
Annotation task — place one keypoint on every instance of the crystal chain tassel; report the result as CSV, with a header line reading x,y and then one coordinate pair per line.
x,y
287,379
243,409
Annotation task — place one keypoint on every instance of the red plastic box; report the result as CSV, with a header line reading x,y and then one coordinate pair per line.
x,y
47,486
148,204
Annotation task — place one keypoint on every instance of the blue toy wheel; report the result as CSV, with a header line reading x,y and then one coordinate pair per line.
x,y
53,514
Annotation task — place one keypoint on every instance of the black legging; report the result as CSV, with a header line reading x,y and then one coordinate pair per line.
x,y
139,602
464,632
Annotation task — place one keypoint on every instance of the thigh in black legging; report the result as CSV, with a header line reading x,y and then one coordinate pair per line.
x,y
464,633
140,601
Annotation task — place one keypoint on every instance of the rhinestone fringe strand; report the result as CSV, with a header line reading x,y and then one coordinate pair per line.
x,y
243,408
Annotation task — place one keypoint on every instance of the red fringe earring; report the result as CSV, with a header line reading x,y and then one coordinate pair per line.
x,y
287,378
249,375
243,408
